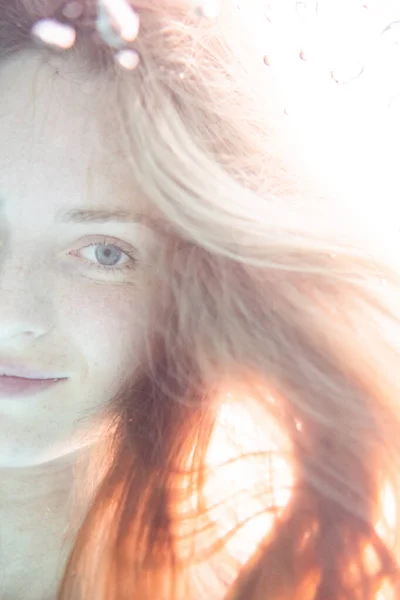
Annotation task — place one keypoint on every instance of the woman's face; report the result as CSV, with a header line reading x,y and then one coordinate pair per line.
x,y
65,307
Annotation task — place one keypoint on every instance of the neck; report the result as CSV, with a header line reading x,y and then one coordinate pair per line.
x,y
34,536
27,487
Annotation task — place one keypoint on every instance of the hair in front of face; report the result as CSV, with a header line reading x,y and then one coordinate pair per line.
x,y
255,294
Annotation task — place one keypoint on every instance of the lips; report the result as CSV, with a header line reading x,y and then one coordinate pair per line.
x,y
19,380
14,370
19,386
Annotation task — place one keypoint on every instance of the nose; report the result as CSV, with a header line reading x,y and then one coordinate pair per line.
x,y
25,310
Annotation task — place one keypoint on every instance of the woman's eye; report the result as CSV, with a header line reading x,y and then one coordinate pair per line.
x,y
106,255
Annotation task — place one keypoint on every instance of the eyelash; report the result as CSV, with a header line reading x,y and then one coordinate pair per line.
x,y
109,242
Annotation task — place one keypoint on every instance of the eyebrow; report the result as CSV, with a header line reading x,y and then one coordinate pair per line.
x,y
84,215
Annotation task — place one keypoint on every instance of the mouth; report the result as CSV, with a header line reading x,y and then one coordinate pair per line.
x,y
11,386
39,379
25,372
20,380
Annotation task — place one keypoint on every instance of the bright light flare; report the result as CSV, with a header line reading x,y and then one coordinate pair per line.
x,y
241,491
261,478
343,136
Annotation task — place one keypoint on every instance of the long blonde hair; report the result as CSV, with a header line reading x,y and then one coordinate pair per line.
x,y
257,293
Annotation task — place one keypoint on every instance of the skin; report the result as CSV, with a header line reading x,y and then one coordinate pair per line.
x,y
57,313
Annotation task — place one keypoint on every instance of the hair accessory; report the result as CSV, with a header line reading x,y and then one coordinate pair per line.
x,y
117,25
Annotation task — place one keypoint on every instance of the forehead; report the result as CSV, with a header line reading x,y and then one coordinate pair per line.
x,y
56,137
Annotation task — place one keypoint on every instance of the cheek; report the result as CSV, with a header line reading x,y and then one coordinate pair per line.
x,y
105,326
